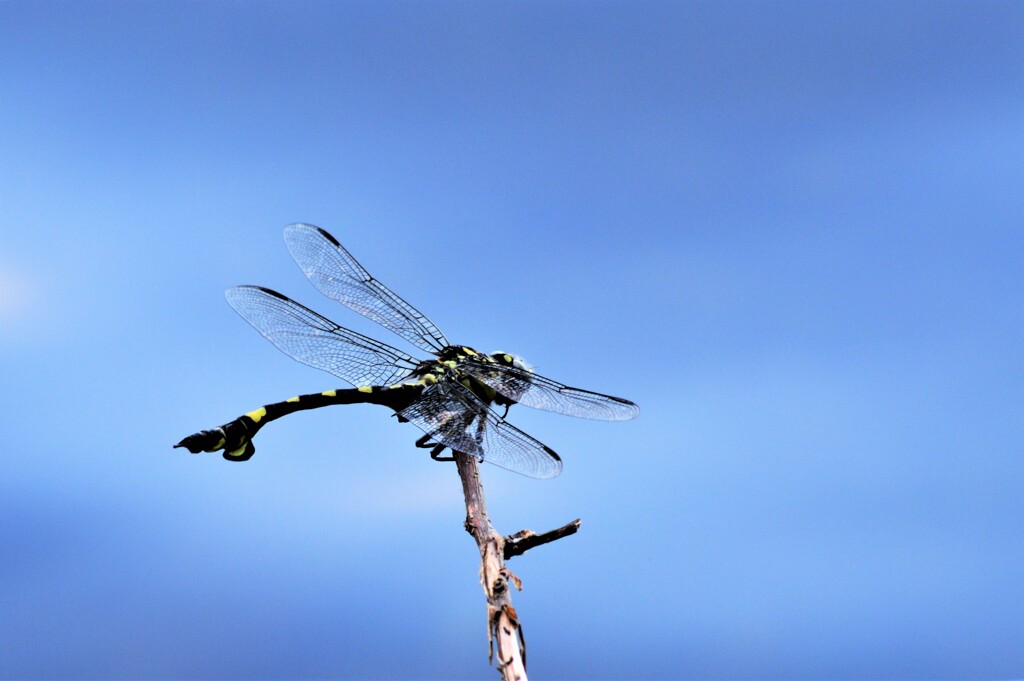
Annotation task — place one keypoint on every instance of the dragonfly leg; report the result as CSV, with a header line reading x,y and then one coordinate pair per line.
x,y
435,454
435,448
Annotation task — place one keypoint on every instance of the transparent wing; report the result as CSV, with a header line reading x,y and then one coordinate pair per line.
x,y
534,390
312,339
456,418
338,275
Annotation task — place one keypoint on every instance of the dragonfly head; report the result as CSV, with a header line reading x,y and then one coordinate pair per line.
x,y
509,359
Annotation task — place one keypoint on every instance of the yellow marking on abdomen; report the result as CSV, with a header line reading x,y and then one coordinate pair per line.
x,y
240,451
257,414
293,399
331,393
364,389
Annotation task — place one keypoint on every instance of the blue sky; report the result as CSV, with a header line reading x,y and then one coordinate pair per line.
x,y
791,232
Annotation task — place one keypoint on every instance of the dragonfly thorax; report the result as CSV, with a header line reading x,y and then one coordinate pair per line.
x,y
462,364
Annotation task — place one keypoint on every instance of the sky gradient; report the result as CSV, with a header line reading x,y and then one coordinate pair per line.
x,y
791,232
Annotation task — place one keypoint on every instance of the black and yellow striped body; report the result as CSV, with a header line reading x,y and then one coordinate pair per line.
x,y
235,437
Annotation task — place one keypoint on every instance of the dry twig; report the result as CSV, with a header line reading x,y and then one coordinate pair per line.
x,y
503,627
522,541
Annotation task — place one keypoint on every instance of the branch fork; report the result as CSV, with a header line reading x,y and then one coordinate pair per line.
x,y
503,626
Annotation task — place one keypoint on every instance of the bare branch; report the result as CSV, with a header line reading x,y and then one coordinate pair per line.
x,y
524,540
503,626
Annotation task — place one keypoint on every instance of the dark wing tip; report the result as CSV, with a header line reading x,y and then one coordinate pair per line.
x,y
305,227
238,290
327,235
556,467
634,409
272,292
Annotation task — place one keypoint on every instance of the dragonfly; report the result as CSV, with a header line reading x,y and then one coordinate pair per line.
x,y
454,397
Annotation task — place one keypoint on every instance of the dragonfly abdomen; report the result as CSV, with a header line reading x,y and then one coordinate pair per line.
x,y
235,437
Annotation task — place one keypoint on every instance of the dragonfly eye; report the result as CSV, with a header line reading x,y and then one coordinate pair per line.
x,y
508,359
